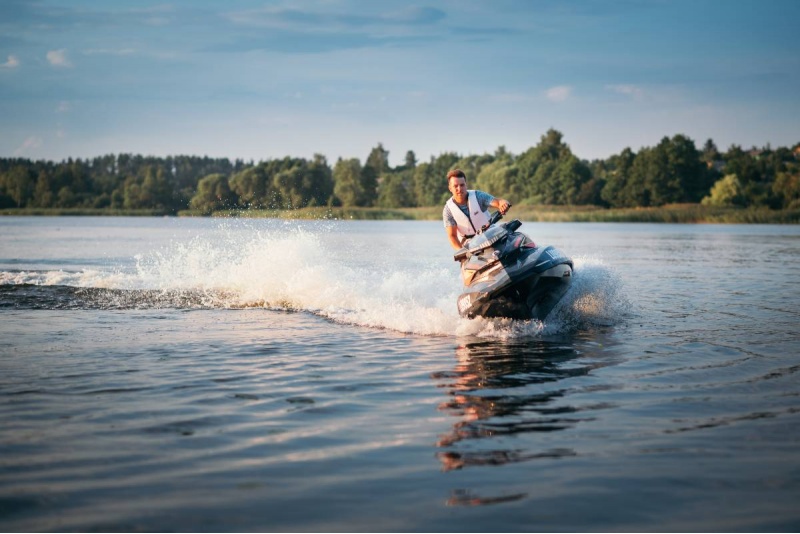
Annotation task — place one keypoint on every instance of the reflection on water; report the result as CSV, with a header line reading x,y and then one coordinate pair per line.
x,y
503,390
469,498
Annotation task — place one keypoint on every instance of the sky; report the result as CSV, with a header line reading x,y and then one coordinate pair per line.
x,y
259,80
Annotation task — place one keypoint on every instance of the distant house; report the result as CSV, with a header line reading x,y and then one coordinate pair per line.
x,y
755,153
718,165
796,152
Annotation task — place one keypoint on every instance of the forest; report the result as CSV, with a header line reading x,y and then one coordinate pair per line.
x,y
675,171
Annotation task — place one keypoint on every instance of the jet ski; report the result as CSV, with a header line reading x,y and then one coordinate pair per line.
x,y
506,274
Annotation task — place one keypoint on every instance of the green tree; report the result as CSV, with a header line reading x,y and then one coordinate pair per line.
x,y
18,183
710,152
213,193
687,177
472,166
756,190
253,188
787,188
656,174
670,172
726,192
103,200
542,187
427,189
617,174
298,183
132,194
636,191
430,180
320,181
591,192
43,191
500,178
550,173
291,187
347,181
571,176
117,199
66,198
410,160
369,186
72,175
155,191
378,160
396,190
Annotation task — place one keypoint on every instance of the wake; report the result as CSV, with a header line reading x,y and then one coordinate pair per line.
x,y
297,270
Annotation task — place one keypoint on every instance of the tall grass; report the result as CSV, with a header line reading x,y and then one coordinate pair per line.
x,y
674,213
83,212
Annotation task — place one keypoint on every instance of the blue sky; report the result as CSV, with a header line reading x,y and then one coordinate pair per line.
x,y
266,79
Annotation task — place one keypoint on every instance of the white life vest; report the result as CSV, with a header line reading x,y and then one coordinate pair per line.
x,y
477,217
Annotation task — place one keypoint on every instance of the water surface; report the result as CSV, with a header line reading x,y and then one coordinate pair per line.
x,y
198,374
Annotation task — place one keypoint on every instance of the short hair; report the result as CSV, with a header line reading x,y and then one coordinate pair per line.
x,y
456,173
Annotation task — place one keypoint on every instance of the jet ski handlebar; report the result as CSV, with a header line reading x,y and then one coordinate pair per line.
x,y
493,219
496,216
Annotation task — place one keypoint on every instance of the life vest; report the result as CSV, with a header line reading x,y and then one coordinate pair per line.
x,y
468,227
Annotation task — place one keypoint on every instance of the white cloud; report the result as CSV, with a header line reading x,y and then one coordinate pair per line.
x,y
558,93
633,91
30,143
63,107
58,58
12,63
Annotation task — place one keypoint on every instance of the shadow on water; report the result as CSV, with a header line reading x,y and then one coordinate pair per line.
x,y
502,390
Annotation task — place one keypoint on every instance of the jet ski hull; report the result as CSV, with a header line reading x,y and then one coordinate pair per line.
x,y
517,282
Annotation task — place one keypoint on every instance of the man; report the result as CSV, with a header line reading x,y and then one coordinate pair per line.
x,y
466,211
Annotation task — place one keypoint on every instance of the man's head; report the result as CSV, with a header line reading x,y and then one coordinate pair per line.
x,y
457,184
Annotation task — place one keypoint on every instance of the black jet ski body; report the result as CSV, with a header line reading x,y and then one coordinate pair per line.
x,y
506,274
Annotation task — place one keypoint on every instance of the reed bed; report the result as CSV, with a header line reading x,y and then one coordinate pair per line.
x,y
674,213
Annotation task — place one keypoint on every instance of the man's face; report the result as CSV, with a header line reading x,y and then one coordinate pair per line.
x,y
458,186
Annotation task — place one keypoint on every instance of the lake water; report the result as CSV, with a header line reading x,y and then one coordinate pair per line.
x,y
230,375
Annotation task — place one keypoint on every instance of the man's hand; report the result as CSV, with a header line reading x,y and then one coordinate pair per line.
x,y
452,235
502,204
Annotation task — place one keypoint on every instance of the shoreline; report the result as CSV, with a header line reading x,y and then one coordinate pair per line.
x,y
675,213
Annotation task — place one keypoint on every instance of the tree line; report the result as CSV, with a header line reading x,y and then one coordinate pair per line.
x,y
673,171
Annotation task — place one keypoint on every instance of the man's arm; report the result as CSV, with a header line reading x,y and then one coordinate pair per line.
x,y
451,228
452,235
501,204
